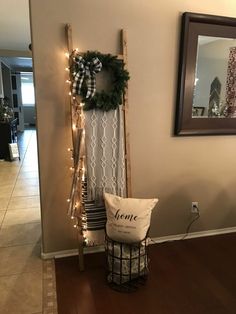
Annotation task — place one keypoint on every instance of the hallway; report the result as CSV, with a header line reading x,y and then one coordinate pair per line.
x,y
20,231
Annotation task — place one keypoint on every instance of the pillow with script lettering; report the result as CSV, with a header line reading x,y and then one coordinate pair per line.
x,y
128,219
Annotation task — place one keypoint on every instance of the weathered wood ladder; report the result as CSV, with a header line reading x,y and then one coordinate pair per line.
x,y
77,137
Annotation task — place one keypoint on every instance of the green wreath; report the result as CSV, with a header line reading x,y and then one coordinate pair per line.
x,y
106,101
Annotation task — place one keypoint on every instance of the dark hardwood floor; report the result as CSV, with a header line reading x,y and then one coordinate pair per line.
x,y
196,276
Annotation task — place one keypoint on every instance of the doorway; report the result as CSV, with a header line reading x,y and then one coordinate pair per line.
x,y
18,86
20,218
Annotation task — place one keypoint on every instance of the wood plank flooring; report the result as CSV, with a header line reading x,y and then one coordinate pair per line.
x,y
196,276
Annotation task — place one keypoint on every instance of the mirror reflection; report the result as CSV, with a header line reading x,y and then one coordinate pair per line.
x,y
215,78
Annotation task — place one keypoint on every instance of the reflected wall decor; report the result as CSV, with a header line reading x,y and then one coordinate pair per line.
x,y
206,94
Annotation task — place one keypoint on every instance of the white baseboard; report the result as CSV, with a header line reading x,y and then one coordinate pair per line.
x,y
177,237
198,234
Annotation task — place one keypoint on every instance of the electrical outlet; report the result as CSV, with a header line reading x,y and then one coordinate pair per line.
x,y
195,208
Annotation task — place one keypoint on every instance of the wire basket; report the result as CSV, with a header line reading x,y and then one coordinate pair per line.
x,y
127,264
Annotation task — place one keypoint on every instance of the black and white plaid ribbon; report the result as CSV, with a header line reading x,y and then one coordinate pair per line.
x,y
86,70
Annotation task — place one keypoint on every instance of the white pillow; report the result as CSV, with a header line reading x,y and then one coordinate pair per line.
x,y
128,219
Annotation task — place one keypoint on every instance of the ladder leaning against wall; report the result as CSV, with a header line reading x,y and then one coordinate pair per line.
x,y
76,208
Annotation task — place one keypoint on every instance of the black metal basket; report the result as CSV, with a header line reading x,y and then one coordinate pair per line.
x,y
127,264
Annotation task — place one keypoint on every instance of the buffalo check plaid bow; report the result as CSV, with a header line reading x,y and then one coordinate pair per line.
x,y
86,70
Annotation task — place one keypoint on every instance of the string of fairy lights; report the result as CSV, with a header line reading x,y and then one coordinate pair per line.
x,y
76,208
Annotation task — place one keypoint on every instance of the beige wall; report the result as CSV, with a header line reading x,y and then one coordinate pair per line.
x,y
177,170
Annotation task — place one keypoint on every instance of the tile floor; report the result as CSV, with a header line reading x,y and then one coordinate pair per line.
x,y
20,232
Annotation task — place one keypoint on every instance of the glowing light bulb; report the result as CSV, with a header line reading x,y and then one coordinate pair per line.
x,y
69,149
74,127
69,93
68,81
75,226
71,168
68,200
83,173
72,217
67,55
67,69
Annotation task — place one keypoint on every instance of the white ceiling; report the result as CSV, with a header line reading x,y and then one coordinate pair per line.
x,y
14,25
204,40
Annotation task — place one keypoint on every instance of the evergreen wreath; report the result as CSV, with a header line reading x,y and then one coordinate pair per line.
x,y
106,101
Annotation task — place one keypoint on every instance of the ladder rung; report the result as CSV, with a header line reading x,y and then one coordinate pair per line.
x,y
119,56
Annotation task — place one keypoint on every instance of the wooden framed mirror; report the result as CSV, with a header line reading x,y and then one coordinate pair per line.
x,y
206,94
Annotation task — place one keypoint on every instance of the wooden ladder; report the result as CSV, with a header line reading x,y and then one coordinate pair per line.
x,y
77,136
